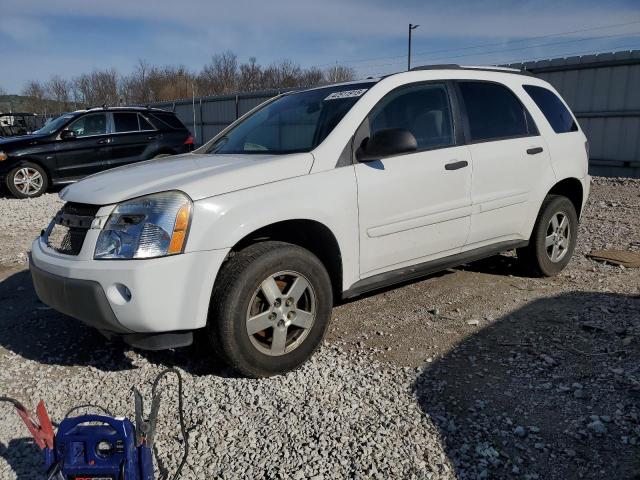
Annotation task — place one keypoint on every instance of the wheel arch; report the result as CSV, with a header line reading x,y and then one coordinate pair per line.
x,y
571,188
37,161
309,234
4,177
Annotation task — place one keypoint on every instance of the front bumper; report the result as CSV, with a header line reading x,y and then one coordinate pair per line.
x,y
162,295
84,300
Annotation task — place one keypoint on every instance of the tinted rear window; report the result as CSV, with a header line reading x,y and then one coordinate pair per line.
x,y
125,122
495,112
168,120
558,116
144,124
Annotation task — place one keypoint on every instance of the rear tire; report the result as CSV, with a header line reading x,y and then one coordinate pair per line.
x,y
270,309
27,180
553,239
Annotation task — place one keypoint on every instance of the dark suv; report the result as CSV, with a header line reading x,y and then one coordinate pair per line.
x,y
78,144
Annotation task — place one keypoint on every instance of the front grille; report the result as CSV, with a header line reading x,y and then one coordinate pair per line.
x,y
83,209
70,227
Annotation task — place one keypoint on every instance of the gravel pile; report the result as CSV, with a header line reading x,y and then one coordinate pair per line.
x,y
337,417
21,222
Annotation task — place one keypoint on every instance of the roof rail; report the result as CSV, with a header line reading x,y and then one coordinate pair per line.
x,y
441,66
455,66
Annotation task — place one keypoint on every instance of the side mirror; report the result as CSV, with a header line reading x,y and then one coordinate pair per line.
x,y
386,143
67,134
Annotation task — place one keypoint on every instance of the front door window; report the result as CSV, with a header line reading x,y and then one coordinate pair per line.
x,y
89,125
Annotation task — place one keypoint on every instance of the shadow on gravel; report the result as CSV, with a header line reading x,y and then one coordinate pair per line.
x,y
551,391
497,265
24,457
36,332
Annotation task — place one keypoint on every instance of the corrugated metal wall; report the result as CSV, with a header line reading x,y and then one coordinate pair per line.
x,y
603,91
212,114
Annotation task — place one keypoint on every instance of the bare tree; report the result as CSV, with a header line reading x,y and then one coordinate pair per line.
x,y
59,89
99,87
82,88
220,76
2,91
223,75
250,76
311,77
35,93
284,74
339,73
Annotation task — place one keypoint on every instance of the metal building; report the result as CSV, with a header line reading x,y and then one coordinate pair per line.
x,y
603,90
604,93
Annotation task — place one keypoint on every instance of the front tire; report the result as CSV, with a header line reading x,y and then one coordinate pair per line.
x,y
270,309
27,180
553,239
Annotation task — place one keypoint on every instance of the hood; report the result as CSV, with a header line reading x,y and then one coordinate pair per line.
x,y
197,175
9,143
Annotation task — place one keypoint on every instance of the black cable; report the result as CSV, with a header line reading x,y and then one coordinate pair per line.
x,y
183,429
13,402
88,405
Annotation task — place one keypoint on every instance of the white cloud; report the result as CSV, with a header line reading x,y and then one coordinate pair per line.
x,y
23,28
338,17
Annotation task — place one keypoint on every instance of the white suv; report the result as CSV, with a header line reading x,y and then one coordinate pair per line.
x,y
313,197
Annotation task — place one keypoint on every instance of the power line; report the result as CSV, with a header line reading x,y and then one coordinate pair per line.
x,y
601,27
613,49
480,54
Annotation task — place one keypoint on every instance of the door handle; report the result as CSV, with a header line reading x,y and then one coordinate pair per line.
x,y
103,141
152,137
456,165
534,150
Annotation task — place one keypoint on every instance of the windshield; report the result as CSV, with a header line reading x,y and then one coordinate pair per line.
x,y
296,122
53,125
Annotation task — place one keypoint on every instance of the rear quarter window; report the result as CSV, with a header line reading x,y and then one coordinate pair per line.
x,y
163,120
125,122
554,110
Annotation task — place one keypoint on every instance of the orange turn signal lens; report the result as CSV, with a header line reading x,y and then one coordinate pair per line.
x,y
180,230
3,156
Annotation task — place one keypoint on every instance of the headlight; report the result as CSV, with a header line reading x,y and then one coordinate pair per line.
x,y
146,227
3,156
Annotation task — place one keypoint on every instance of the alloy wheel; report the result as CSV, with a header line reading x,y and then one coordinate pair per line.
x,y
558,237
281,313
28,181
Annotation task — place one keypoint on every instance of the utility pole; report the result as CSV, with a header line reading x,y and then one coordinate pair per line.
x,y
411,27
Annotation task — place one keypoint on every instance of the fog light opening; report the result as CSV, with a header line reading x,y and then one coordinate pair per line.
x,y
119,294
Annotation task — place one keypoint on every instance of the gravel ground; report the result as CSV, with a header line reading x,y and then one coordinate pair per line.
x,y
21,222
478,372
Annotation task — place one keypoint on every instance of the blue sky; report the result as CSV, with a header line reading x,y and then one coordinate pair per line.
x,y
40,38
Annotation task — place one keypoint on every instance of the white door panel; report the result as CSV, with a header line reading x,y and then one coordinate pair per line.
x,y
412,207
504,176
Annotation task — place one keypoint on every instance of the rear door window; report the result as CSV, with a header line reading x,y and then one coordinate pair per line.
x,y
554,110
494,112
125,122
144,124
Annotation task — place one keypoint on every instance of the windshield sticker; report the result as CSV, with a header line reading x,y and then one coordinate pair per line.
x,y
346,94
